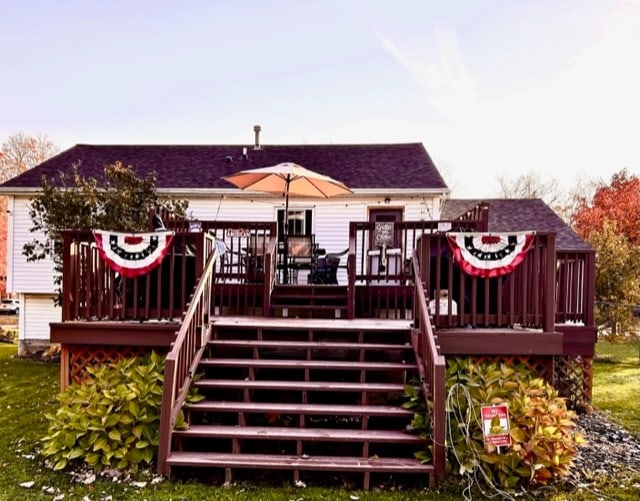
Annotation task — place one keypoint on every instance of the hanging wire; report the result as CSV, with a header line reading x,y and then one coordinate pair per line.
x,y
458,394
215,218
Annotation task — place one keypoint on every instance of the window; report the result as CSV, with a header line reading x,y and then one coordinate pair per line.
x,y
300,222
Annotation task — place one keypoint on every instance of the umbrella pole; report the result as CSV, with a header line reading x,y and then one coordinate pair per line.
x,y
285,269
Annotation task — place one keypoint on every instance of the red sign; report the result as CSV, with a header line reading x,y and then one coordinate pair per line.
x,y
495,425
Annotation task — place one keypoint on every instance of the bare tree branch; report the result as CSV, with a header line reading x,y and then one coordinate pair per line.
x,y
21,152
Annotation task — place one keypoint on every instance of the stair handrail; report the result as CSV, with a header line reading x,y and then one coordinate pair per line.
x,y
182,361
351,276
270,274
432,368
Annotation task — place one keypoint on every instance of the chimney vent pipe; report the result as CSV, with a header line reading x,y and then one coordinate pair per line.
x,y
256,130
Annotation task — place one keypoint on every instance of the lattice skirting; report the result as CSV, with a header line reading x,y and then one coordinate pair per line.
x,y
574,380
542,366
76,358
572,376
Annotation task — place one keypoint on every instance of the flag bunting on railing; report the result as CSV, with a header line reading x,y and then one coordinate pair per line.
x,y
133,254
489,254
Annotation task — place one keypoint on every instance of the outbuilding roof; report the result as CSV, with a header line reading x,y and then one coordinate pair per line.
x,y
364,166
517,214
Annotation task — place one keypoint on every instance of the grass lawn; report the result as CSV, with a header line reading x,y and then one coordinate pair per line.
x,y
28,389
616,383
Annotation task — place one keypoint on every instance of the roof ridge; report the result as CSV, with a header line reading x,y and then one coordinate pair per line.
x,y
220,145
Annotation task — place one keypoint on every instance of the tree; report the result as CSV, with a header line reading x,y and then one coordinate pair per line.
x,y
610,222
617,278
618,201
18,153
120,201
21,152
531,185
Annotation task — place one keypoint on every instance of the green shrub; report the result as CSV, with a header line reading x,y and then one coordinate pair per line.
x,y
543,436
109,420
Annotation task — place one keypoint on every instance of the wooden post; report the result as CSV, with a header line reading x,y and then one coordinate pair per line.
x,y
548,321
65,358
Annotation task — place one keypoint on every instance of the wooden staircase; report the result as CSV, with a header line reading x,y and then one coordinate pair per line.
x,y
309,301
303,396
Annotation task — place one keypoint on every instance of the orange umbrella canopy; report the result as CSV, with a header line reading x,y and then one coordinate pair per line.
x,y
285,179
288,178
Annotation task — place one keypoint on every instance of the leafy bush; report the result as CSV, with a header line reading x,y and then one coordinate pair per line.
x,y
119,200
111,419
543,436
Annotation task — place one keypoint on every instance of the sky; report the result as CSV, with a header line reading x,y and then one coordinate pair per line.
x,y
492,88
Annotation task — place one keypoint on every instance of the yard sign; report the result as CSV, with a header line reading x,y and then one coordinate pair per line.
x,y
495,425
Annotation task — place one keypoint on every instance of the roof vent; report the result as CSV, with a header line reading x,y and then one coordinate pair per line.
x,y
244,153
256,130
228,159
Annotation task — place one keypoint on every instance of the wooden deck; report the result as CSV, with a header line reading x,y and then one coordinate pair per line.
x,y
311,377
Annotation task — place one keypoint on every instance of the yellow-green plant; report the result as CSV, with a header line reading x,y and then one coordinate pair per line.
x,y
543,433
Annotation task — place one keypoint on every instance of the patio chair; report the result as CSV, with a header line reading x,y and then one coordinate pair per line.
x,y
326,270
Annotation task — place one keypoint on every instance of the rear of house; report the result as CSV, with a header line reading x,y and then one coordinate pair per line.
x,y
389,181
342,347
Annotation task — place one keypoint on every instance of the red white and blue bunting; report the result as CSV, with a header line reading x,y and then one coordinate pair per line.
x,y
133,254
489,254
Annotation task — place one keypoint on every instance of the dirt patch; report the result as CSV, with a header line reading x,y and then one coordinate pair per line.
x,y
50,355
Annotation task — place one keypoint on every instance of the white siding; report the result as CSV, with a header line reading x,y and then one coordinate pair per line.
x,y
36,312
25,277
331,217
232,209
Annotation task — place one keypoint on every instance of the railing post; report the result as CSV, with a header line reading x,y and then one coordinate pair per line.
x,y
351,273
439,419
589,288
168,396
67,276
548,322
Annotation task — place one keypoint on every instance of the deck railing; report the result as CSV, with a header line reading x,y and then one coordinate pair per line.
x,y
432,368
575,287
383,250
182,361
525,297
247,268
379,263
91,290
542,291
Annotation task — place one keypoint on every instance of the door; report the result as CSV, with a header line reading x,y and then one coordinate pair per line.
x,y
385,242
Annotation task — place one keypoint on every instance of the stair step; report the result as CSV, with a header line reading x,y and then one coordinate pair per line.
x,y
302,296
325,345
306,364
277,303
300,385
309,409
312,289
292,433
286,462
386,326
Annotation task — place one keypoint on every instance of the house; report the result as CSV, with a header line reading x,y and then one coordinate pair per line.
x,y
315,367
388,181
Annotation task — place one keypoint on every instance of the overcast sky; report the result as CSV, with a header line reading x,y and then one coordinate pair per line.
x,y
490,87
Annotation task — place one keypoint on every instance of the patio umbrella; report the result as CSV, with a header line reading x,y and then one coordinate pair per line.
x,y
288,179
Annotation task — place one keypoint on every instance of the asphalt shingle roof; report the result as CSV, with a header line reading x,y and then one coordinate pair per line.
x,y
392,166
516,214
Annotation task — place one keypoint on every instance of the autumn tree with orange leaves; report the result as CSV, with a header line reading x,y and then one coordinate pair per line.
x,y
18,153
610,222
